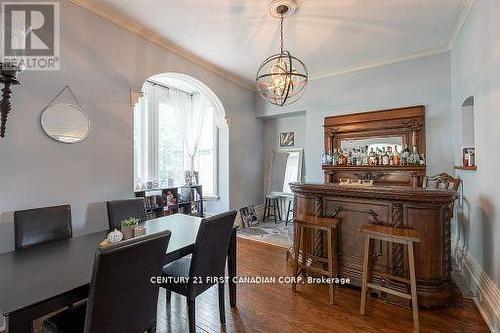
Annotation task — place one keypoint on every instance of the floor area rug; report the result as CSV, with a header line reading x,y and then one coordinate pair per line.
x,y
270,232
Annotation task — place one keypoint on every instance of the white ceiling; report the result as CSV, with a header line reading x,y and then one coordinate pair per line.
x,y
331,36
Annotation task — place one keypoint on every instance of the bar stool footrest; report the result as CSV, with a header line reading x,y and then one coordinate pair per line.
x,y
389,291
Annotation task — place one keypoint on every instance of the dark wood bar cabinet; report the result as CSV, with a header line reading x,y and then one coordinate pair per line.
x,y
393,197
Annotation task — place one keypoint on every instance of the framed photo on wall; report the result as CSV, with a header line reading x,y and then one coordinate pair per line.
x,y
287,139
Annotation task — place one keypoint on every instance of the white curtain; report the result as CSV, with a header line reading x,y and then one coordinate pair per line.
x,y
190,111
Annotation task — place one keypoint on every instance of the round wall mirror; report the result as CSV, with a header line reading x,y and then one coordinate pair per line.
x,y
65,123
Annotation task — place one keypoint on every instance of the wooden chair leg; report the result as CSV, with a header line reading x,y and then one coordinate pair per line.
x,y
288,212
168,296
413,286
274,210
278,208
266,215
297,242
191,315
222,309
366,270
330,265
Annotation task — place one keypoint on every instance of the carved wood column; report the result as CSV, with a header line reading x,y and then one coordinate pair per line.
x,y
397,249
447,241
318,235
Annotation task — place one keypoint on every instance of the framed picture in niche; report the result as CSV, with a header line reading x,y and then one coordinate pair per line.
x,y
287,139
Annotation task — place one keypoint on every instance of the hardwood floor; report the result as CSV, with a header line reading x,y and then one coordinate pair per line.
x,y
275,308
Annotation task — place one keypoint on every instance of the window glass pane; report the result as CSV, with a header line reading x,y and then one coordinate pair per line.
x,y
170,146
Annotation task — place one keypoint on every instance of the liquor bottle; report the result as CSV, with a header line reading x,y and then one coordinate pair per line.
x,y
396,156
359,157
415,157
372,158
385,157
341,157
366,156
329,157
389,153
349,157
335,157
405,154
324,158
354,157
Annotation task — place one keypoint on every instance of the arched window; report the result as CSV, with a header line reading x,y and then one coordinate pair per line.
x,y
176,130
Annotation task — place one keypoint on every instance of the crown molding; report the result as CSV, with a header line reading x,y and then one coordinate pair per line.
x,y
113,16
465,10
385,62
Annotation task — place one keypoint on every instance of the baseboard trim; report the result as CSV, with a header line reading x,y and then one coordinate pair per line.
x,y
486,293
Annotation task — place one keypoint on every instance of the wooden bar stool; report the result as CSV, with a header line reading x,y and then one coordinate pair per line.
x,y
314,223
394,235
272,202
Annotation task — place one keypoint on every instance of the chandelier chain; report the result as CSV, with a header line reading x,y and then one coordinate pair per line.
x,y
281,33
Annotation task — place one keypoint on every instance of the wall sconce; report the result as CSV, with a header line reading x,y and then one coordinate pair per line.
x,y
9,77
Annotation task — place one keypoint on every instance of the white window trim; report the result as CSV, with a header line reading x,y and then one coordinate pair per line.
x,y
151,117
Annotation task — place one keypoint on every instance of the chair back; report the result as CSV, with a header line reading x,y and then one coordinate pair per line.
x,y
446,182
442,181
119,210
41,225
122,297
210,249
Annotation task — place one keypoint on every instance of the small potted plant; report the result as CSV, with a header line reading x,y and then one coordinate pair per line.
x,y
128,226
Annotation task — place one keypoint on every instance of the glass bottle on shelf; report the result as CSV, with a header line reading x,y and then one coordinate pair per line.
x,y
329,157
372,158
405,155
335,156
324,158
422,160
415,157
396,157
385,157
359,157
366,157
390,154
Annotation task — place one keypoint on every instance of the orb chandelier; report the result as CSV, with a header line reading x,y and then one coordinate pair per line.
x,y
282,78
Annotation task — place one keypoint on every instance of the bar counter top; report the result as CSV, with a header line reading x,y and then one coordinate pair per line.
x,y
400,193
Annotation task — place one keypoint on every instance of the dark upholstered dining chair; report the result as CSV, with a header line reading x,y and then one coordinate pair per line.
x,y
119,210
207,260
41,225
122,297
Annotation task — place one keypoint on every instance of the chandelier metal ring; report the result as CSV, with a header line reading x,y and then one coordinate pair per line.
x,y
282,78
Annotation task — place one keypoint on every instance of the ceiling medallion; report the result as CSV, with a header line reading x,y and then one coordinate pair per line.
x,y
282,78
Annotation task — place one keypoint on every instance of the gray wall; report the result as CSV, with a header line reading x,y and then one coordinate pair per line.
x,y
423,81
475,71
101,62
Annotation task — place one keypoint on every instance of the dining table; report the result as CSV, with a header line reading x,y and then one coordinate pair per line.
x,y
39,280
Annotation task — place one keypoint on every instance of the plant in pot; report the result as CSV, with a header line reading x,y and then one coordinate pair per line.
x,y
128,226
